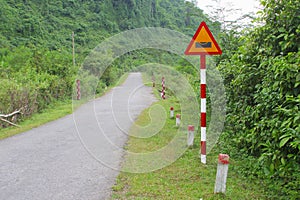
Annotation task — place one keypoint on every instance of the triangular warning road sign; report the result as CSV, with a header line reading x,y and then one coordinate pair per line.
x,y
203,42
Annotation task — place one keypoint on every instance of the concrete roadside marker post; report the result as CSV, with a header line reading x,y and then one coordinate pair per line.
x,y
203,43
178,119
190,137
222,170
171,112
78,89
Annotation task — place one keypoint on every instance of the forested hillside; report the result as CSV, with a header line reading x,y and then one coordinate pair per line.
x,y
50,23
36,41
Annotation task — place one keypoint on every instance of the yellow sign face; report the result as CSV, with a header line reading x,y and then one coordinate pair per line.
x,y
203,42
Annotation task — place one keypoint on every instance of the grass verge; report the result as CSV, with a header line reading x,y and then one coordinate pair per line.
x,y
186,178
54,111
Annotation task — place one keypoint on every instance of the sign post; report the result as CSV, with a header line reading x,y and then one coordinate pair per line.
x,y
203,43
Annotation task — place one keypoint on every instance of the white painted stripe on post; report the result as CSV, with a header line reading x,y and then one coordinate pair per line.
x,y
203,76
203,159
203,133
203,105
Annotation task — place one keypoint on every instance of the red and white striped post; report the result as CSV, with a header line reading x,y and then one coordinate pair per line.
x,y
222,171
178,119
203,43
203,107
163,88
190,138
163,94
171,112
78,89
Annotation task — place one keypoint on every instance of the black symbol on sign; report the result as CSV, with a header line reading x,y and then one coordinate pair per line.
x,y
203,44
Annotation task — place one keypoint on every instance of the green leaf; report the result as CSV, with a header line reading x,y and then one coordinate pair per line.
x,y
297,80
283,141
272,167
282,161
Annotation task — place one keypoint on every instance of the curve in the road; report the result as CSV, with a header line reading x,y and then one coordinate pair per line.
x,y
52,162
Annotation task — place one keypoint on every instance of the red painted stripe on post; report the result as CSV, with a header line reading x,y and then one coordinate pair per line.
x,y
202,62
223,159
203,91
203,119
191,128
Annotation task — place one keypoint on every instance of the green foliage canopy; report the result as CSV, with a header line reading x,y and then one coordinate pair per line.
x,y
263,88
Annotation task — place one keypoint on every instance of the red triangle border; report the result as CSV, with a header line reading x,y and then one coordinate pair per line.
x,y
203,24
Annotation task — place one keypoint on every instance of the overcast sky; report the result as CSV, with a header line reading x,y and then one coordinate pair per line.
x,y
245,6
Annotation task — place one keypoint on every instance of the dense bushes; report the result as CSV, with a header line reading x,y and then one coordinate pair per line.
x,y
263,117
32,79
263,89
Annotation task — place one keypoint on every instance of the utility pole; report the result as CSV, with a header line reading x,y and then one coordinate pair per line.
x,y
73,45
77,81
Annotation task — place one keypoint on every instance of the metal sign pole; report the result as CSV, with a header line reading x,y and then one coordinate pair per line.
x,y
203,107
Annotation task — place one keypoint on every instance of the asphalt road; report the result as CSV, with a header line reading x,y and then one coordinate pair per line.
x,y
75,157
